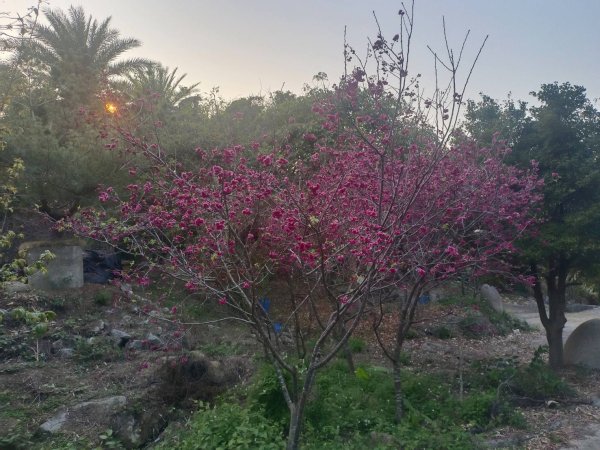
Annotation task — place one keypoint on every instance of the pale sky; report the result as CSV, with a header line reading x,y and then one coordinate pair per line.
x,y
255,47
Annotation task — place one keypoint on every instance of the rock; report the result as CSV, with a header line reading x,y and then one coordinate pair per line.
x,y
583,345
135,428
15,287
57,346
54,424
65,271
492,296
196,376
66,353
126,289
154,340
121,337
98,327
135,345
99,266
96,412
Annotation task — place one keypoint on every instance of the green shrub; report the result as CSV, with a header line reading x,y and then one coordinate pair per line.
x,y
221,349
476,326
228,427
100,349
441,332
538,381
264,396
504,322
357,345
346,403
102,298
534,382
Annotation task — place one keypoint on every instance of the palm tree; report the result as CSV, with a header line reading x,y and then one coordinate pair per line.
x,y
160,81
79,54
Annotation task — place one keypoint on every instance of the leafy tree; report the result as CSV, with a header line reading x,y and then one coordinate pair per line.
x,y
159,82
487,117
55,104
80,54
563,135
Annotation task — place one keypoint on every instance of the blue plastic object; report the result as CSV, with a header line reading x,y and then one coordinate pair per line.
x,y
265,303
424,299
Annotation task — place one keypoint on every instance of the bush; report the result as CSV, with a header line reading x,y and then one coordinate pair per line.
x,y
441,332
357,345
476,326
228,426
538,381
102,298
353,411
347,403
265,396
533,383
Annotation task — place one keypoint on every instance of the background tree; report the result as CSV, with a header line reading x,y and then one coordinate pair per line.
x,y
487,117
62,73
563,135
80,54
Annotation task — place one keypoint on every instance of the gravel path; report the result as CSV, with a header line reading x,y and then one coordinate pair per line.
x,y
528,312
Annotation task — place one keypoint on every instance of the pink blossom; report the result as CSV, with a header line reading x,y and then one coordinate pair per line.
x,y
310,137
452,251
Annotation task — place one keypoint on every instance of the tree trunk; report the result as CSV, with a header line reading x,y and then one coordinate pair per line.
x,y
294,430
297,412
555,346
554,318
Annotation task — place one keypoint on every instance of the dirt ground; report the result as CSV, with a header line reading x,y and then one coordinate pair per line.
x,y
31,392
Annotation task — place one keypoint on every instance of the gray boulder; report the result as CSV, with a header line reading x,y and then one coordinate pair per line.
x,y
491,295
65,271
121,337
583,345
15,287
97,412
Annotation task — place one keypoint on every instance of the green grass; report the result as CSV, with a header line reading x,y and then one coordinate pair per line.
x,y
350,411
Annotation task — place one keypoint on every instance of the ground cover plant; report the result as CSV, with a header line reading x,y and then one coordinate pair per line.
x,y
351,411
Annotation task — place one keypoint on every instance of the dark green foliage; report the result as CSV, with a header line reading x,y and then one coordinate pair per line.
x,y
476,326
441,332
345,403
102,298
563,135
487,117
533,383
357,345
536,381
229,426
100,349
353,411
482,319
265,396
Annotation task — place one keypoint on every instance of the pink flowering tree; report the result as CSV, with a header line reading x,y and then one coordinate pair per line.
x,y
382,204
440,211
464,222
